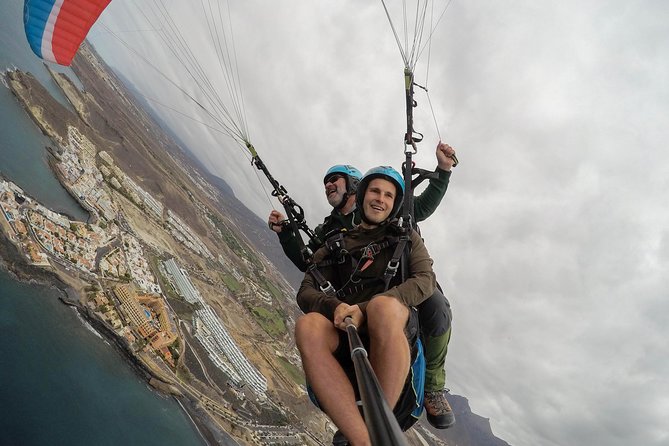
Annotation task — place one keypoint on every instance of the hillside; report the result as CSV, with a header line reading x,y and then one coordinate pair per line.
x,y
242,277
252,226
470,429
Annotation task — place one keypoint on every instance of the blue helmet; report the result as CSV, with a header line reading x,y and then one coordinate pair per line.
x,y
352,176
387,173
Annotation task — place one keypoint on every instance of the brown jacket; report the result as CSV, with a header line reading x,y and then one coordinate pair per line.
x,y
419,286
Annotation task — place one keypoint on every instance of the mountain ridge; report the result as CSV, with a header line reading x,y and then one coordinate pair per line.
x,y
470,429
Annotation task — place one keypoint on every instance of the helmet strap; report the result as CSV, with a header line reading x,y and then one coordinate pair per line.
x,y
343,201
365,219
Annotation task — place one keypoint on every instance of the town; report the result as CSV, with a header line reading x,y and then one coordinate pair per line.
x,y
128,290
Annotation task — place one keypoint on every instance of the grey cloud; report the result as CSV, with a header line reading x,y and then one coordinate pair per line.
x,y
551,242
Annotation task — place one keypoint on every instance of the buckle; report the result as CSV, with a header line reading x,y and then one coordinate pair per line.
x,y
392,267
327,288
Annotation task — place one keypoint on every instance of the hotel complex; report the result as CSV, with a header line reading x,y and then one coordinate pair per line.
x,y
210,331
151,318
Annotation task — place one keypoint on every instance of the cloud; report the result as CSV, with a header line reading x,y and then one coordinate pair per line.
x,y
551,242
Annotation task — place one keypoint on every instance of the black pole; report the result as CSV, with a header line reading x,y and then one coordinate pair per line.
x,y
379,418
294,212
410,141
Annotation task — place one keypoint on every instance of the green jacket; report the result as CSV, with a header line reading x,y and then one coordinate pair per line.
x,y
419,286
424,205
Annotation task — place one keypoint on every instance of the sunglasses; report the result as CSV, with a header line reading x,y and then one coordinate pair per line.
x,y
332,178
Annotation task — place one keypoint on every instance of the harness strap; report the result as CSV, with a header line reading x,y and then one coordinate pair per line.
x,y
395,261
368,251
358,287
324,284
334,244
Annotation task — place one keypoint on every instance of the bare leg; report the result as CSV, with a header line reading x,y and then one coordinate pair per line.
x,y
390,355
317,339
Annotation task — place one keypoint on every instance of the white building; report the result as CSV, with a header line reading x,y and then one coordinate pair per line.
x,y
182,283
214,337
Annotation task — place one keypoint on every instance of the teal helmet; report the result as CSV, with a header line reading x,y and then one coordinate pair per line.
x,y
350,173
352,177
387,173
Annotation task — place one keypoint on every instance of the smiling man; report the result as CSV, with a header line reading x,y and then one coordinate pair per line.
x,y
379,200
386,318
341,182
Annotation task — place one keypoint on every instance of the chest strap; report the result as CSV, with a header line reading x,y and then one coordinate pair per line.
x,y
338,253
324,284
402,248
336,247
357,287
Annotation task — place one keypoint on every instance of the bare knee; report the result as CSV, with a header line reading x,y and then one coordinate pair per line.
x,y
315,331
386,313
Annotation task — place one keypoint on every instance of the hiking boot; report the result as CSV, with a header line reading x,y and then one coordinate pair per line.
x,y
437,409
339,439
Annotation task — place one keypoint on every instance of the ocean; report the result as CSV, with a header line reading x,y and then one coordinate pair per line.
x,y
60,383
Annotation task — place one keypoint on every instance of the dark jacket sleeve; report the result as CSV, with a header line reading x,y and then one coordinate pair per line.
x,y
426,203
291,248
422,281
311,299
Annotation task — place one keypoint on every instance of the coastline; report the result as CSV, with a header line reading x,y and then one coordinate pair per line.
x,y
52,161
216,419
12,261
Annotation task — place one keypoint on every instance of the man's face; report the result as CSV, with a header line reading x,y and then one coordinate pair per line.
x,y
379,200
335,188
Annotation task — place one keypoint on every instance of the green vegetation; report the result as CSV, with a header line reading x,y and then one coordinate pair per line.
x,y
139,344
273,290
294,372
169,290
251,257
165,284
228,237
175,352
270,320
183,309
231,282
231,240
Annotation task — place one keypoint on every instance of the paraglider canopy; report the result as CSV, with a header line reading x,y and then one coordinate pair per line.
x,y
56,28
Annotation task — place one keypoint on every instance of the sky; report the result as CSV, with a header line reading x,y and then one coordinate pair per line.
x,y
551,243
